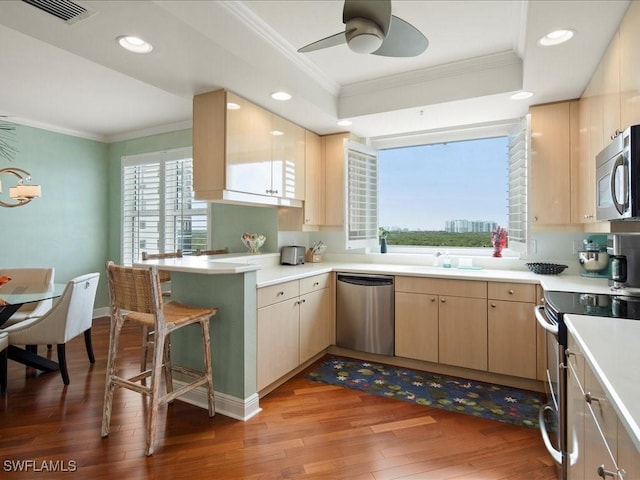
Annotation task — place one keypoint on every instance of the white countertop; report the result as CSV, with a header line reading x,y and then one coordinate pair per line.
x,y
218,265
270,272
610,346
271,275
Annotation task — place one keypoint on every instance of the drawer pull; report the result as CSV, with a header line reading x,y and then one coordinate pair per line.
x,y
300,301
604,473
280,293
511,292
315,284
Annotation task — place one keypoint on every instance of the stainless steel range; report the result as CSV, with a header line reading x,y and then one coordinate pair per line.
x,y
553,416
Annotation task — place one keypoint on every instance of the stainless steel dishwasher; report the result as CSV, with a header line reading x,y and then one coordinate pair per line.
x,y
365,313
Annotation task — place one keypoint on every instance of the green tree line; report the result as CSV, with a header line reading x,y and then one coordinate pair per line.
x,y
439,238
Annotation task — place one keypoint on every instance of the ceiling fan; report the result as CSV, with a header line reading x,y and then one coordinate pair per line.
x,y
370,28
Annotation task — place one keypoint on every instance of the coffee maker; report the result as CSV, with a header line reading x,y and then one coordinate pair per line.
x,y
624,252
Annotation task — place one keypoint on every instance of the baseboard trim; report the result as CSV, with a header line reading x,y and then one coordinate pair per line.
x,y
227,405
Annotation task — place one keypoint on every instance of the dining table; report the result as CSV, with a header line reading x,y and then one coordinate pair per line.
x,y
12,297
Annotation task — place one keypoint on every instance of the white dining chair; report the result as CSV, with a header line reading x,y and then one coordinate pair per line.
x,y
69,317
32,280
4,344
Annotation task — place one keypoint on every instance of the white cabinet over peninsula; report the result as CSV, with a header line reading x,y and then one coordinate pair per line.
x,y
230,287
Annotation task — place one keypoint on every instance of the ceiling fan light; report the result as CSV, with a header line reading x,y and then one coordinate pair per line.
x,y
363,36
365,43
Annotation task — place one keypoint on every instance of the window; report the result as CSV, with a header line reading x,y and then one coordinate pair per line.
x,y
450,194
159,212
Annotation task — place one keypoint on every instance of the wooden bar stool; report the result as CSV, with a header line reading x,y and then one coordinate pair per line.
x,y
165,278
135,296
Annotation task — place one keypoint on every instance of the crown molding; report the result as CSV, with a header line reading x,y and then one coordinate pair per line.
x,y
245,15
429,74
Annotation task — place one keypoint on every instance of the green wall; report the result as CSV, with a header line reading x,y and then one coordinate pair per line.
x,y
75,225
67,227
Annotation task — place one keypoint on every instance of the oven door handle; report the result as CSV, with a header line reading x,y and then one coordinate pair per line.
x,y
555,454
542,320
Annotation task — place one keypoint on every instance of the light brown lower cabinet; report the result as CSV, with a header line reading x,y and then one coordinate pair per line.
x,y
462,328
435,323
294,324
512,348
416,331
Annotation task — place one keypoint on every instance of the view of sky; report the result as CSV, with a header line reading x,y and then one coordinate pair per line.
x,y
422,187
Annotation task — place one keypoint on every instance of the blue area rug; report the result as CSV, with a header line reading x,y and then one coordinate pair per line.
x,y
493,402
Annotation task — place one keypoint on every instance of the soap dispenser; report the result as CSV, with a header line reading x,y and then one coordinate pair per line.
x,y
446,260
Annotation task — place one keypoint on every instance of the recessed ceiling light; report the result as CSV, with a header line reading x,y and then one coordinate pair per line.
x,y
232,106
556,37
343,123
281,96
276,133
134,44
521,95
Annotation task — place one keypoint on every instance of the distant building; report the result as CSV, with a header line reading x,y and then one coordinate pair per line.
x,y
465,226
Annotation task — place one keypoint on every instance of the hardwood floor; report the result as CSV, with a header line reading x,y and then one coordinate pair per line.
x,y
306,430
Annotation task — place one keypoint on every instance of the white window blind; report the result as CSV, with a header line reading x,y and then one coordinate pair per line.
x,y
519,146
361,195
159,212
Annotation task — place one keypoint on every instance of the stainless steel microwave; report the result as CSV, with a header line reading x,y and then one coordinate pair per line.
x,y
618,178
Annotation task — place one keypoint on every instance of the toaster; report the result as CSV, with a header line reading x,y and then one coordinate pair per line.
x,y
292,255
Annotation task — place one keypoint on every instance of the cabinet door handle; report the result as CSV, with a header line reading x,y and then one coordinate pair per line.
x,y
315,284
604,473
443,300
279,294
433,299
590,398
493,305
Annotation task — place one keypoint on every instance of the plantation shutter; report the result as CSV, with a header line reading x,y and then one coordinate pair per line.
x,y
519,147
159,212
361,195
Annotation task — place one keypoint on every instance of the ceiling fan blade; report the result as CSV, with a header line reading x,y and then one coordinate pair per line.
x,y
403,40
378,11
332,41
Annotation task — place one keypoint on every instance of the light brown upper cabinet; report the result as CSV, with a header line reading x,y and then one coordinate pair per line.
x,y
244,153
630,66
554,146
314,180
611,123
334,178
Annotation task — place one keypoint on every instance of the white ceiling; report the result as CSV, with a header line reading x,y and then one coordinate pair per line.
x,y
76,79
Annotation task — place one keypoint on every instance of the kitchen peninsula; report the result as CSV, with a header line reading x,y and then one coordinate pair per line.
x,y
230,287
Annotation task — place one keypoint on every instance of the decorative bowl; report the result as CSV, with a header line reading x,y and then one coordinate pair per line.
x,y
546,268
253,241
